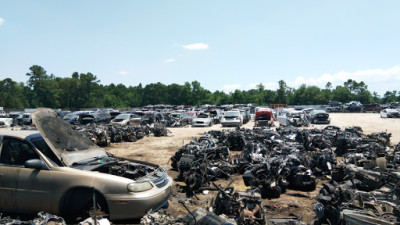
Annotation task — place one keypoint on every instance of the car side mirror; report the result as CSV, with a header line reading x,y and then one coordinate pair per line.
x,y
34,164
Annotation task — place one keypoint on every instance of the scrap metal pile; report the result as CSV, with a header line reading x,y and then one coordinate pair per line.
x,y
365,189
42,218
272,161
103,135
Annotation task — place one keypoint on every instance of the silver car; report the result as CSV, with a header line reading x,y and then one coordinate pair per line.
x,y
125,119
203,120
232,118
62,172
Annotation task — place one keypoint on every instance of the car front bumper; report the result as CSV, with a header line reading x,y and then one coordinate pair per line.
x,y
200,124
135,205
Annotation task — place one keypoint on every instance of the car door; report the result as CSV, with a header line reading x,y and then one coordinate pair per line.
x,y
30,189
7,181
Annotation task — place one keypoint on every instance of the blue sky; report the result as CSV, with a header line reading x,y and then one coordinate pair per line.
x,y
224,44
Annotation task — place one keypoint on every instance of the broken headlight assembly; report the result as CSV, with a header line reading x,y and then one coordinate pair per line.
x,y
139,187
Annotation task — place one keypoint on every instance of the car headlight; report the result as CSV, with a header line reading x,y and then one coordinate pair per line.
x,y
139,187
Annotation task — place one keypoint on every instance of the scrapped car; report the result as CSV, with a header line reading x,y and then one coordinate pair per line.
x,y
232,118
73,117
319,117
290,117
390,113
177,119
62,172
191,115
264,117
374,107
124,119
203,120
151,117
216,114
245,115
26,119
137,118
98,117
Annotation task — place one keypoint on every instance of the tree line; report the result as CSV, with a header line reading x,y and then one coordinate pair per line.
x,y
83,90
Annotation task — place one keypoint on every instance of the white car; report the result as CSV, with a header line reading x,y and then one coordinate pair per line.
x,y
203,120
291,117
390,113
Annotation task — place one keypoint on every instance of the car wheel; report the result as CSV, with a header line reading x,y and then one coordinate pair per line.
x,y
78,205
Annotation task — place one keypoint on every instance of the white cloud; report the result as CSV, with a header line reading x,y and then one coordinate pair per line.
x,y
230,87
2,21
195,46
377,79
123,72
169,60
368,76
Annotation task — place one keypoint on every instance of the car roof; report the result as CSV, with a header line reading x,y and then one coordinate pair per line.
x,y
18,133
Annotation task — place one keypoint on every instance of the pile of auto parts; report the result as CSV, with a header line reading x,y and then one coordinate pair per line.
x,y
202,161
42,218
364,195
273,161
160,130
159,217
243,207
365,186
103,135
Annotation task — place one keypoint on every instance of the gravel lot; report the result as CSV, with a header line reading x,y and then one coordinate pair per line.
x,y
159,149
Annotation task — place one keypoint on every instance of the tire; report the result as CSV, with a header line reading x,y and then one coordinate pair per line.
x,y
78,205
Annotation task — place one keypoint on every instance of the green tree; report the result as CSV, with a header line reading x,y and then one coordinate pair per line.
x,y
341,94
281,93
44,88
11,94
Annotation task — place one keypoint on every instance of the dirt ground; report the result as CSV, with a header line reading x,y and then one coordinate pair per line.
x,y
159,150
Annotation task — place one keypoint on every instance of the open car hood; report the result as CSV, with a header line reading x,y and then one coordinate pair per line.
x,y
68,145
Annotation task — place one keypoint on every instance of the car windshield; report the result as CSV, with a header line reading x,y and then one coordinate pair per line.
x,y
135,116
190,114
45,149
69,116
123,116
231,114
202,116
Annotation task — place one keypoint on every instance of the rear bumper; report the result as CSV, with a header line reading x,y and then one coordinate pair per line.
x,y
321,121
230,123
